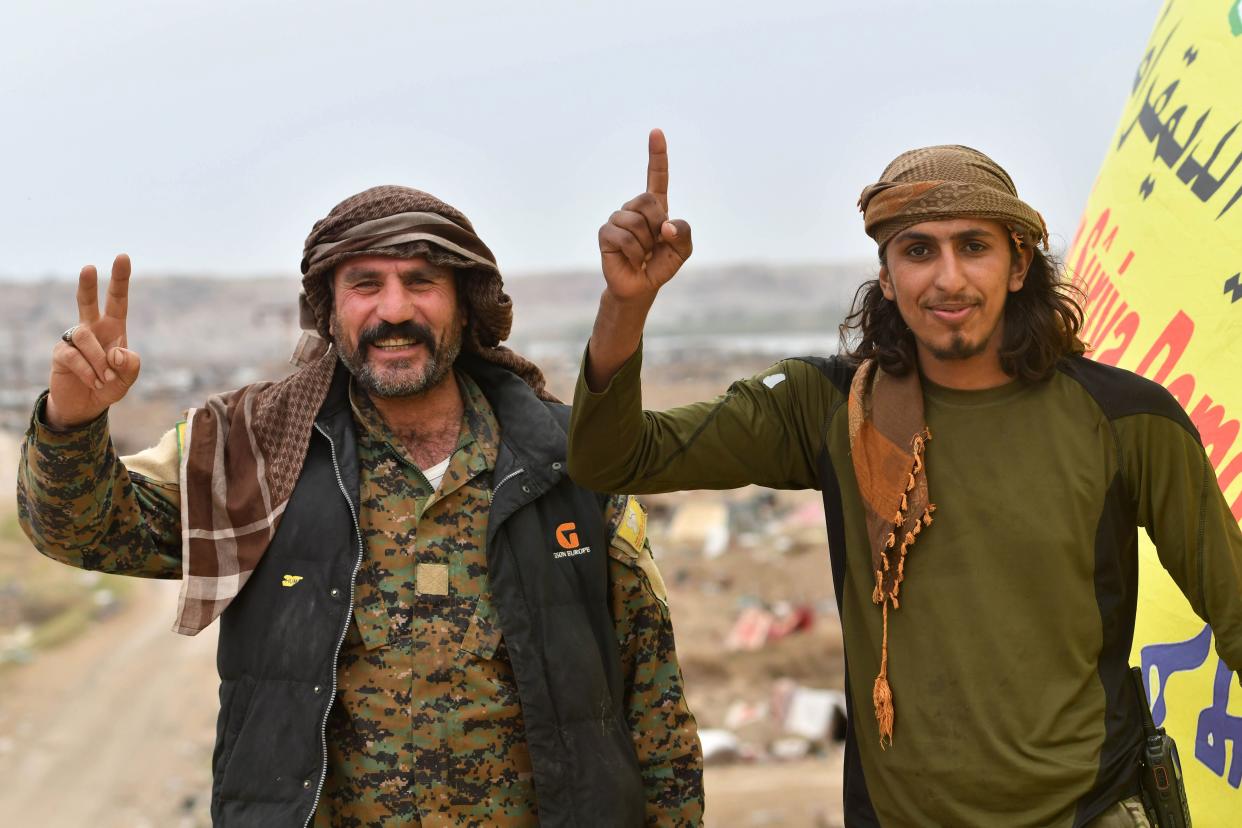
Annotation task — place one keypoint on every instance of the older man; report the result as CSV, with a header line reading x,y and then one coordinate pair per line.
x,y
423,621
986,577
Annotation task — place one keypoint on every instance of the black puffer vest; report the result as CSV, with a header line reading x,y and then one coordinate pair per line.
x,y
279,644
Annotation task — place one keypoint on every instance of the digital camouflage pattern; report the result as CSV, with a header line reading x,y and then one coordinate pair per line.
x,y
80,505
427,727
1128,813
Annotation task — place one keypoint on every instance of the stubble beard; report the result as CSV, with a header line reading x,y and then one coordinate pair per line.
x,y
958,348
400,379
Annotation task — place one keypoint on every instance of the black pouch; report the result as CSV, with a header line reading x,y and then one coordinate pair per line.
x,y
1160,769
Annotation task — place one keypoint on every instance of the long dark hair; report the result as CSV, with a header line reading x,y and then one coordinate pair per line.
x,y
1042,321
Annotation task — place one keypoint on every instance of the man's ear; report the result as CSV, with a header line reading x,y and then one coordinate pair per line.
x,y
886,284
1019,266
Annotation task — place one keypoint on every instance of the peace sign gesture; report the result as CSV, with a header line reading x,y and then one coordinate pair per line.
x,y
91,367
640,246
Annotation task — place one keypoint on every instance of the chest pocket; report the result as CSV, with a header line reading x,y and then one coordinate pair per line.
x,y
482,638
486,671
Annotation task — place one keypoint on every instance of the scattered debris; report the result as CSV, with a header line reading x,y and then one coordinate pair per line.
x,y
741,713
817,715
750,630
790,747
719,746
757,626
701,524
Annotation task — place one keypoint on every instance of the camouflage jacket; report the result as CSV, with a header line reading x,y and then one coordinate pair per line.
x,y
427,727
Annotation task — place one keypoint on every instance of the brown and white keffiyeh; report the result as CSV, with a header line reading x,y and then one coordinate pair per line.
x,y
241,454
888,436
242,451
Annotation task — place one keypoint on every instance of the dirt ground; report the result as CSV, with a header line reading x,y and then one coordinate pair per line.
x,y
113,729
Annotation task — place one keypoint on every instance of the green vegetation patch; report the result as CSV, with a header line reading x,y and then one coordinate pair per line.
x,y
44,603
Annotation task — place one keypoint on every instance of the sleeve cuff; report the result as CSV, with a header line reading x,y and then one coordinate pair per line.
x,y
94,432
627,375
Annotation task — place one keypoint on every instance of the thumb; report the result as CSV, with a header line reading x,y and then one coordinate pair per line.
x,y
126,363
670,252
676,233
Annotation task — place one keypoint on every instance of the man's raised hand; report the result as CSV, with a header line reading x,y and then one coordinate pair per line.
x,y
96,368
641,249
640,246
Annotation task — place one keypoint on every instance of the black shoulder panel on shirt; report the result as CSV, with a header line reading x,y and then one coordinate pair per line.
x,y
836,369
1121,393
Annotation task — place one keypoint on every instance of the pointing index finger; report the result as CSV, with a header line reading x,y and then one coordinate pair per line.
x,y
657,167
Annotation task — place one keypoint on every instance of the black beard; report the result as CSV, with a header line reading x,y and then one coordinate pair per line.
x,y
437,367
958,348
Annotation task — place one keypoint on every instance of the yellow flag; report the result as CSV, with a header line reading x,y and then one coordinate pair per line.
x,y
1159,256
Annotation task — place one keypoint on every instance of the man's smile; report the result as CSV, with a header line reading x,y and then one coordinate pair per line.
x,y
953,313
397,346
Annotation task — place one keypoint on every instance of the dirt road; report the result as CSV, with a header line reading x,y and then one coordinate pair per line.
x,y
114,729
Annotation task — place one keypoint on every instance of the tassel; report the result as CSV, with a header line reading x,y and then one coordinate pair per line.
x,y
904,503
882,694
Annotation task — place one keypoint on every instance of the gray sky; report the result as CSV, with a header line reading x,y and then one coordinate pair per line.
x,y
208,137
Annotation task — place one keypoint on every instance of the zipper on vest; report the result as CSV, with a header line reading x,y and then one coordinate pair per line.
x,y
349,614
492,494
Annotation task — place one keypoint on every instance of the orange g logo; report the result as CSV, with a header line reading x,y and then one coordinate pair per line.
x,y
567,535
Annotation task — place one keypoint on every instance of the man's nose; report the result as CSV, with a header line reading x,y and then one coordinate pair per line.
x,y
950,272
395,305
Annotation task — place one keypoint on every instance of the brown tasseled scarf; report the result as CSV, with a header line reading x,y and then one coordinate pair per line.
x,y
888,436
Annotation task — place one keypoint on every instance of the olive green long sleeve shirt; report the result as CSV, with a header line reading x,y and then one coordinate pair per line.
x,y
1008,656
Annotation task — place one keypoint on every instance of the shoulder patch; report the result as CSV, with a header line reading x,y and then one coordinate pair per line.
x,y
773,380
632,528
629,545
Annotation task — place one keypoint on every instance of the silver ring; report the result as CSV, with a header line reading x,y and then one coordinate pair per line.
x,y
67,336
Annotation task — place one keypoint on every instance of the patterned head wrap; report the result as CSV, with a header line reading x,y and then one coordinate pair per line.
x,y
945,182
404,223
